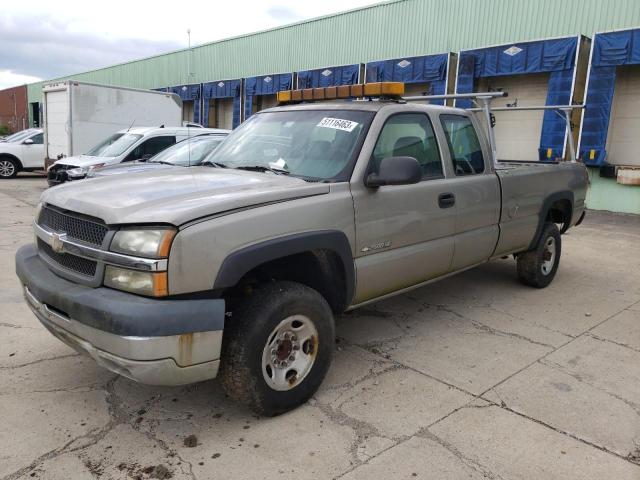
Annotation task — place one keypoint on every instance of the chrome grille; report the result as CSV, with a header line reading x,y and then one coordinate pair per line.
x,y
76,227
74,263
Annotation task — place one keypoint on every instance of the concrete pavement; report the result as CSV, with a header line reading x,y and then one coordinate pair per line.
x,y
474,377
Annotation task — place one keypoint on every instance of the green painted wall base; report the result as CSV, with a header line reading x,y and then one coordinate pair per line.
x,y
607,194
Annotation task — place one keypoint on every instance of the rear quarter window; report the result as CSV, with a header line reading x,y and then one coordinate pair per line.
x,y
464,145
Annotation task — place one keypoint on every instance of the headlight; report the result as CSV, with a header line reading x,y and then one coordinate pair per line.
x,y
152,284
82,171
77,172
151,242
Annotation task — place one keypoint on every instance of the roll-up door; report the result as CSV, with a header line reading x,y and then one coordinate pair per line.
x,y
222,106
623,138
190,96
518,133
260,92
224,113
187,111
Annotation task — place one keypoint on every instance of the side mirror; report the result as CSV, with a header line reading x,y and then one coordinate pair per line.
x,y
28,141
395,171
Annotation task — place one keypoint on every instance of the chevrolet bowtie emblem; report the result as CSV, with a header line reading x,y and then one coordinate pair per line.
x,y
56,242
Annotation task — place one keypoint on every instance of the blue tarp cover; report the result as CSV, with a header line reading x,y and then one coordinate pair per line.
x,y
609,51
221,89
431,69
188,93
329,77
557,57
264,85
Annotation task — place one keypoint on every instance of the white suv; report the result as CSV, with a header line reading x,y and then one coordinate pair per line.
x,y
22,151
140,143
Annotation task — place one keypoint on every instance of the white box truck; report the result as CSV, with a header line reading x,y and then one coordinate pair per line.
x,y
77,115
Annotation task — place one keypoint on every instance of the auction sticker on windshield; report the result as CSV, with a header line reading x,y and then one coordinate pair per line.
x,y
338,124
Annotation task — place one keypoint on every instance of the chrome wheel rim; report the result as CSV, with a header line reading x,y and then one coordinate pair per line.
x,y
290,352
548,256
7,168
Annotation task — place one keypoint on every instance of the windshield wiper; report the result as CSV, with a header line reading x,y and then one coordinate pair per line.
x,y
262,168
162,162
214,164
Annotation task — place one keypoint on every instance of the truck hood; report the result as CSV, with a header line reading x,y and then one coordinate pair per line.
x,y
129,168
84,160
176,195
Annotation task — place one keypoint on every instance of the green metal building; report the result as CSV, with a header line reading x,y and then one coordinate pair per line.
x,y
394,29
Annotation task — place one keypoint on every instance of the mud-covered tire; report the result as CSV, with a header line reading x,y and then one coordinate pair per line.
x,y
262,319
538,267
9,168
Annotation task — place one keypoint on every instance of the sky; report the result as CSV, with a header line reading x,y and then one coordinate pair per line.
x,y
46,39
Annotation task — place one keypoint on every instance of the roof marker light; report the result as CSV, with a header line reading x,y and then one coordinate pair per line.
x,y
358,90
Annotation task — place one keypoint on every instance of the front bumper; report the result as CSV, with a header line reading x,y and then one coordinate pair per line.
x,y
156,342
58,175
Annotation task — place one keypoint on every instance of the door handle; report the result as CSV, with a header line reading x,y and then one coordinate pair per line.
x,y
446,200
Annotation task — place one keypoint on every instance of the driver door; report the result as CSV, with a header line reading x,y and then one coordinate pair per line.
x,y
404,233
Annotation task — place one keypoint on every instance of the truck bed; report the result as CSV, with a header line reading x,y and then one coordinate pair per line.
x,y
526,187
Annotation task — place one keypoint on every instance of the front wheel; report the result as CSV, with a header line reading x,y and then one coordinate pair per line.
x,y
277,347
8,168
537,267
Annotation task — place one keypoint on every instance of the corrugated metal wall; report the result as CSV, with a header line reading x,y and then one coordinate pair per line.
x,y
387,30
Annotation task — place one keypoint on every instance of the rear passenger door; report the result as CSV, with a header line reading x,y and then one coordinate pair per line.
x,y
404,233
476,189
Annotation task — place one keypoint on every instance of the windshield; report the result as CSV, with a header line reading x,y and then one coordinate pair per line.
x,y
16,137
114,146
188,152
315,144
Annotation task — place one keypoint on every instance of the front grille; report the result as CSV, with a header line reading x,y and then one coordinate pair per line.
x,y
75,227
70,262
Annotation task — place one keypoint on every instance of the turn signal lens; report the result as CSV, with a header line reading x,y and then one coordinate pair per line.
x,y
151,284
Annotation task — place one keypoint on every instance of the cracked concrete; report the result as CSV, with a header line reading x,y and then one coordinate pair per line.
x,y
472,377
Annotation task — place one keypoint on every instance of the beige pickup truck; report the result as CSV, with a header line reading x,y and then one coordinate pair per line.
x,y
238,267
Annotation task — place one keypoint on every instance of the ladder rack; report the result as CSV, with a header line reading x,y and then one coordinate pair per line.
x,y
483,100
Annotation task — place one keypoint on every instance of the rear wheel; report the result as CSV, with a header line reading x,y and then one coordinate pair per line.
x,y
277,347
9,168
538,267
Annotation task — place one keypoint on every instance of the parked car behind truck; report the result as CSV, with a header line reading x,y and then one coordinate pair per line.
x,y
306,211
187,153
22,151
127,145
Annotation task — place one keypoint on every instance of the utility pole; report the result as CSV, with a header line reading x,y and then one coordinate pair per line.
x,y
189,73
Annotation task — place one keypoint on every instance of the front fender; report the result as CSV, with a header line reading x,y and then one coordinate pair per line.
x,y
240,262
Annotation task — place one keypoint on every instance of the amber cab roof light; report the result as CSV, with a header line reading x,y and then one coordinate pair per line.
x,y
392,90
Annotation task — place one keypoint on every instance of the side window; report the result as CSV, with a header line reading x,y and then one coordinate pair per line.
x,y
38,139
466,152
149,148
409,135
